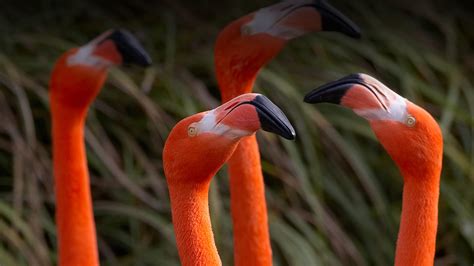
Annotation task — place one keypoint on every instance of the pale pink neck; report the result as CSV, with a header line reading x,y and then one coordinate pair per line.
x,y
192,223
419,220
74,215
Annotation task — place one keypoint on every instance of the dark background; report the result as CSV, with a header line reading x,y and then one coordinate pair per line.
x,y
334,195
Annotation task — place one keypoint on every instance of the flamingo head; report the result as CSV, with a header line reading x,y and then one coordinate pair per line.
x,y
248,43
409,134
200,144
80,72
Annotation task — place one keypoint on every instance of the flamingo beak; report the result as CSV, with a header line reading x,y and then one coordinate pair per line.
x,y
333,92
243,116
365,95
291,19
129,48
271,118
333,20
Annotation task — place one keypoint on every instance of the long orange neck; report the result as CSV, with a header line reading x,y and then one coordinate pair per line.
x,y
247,190
417,235
237,66
238,59
192,223
74,216
249,209
235,84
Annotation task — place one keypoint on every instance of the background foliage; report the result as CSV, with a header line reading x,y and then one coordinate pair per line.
x,y
334,196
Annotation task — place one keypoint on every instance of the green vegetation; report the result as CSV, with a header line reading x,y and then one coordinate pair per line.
x,y
334,195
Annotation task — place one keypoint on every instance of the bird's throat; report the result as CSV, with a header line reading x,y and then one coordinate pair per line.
x,y
237,66
74,216
236,84
192,223
419,220
248,205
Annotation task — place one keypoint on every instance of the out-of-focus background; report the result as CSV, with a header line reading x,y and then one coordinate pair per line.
x,y
334,195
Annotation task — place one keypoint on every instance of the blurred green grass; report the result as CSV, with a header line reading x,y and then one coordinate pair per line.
x,y
334,196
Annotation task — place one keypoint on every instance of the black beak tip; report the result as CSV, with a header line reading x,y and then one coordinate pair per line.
x,y
333,20
328,93
291,135
319,95
131,50
354,32
287,133
334,91
272,119
308,97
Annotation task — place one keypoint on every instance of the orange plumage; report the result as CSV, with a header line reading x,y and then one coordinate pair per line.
x,y
243,47
414,141
76,80
195,149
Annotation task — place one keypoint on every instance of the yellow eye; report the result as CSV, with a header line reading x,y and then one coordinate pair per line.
x,y
192,130
411,121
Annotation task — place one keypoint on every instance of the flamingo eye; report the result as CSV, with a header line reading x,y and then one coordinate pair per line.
x,y
192,130
411,121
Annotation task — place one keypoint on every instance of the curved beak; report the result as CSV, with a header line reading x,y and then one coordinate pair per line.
x,y
243,116
271,118
291,19
333,20
129,48
365,95
333,92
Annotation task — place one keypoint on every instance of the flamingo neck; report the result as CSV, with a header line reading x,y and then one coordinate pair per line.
x,y
74,216
238,59
235,83
247,189
238,63
419,220
249,208
192,223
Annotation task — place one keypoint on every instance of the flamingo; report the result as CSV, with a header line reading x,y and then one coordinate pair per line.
x,y
242,48
77,78
414,141
195,150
